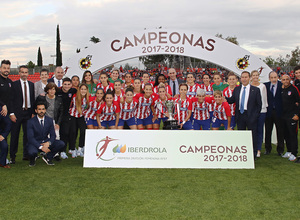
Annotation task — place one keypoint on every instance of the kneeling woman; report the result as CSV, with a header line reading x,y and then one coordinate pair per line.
x,y
183,108
108,113
127,110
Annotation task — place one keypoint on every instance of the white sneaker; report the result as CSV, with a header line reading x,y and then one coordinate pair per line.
x,y
74,153
287,155
292,158
70,152
63,155
80,152
7,161
258,153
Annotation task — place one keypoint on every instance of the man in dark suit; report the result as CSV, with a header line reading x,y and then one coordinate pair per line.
x,y
57,78
4,131
248,106
173,81
274,113
22,105
41,136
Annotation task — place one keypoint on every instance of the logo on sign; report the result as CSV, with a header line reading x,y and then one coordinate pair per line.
x,y
85,63
243,63
102,146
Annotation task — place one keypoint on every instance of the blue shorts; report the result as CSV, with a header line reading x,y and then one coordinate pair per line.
x,y
108,123
211,115
232,123
158,121
145,121
187,125
205,124
129,122
91,122
216,123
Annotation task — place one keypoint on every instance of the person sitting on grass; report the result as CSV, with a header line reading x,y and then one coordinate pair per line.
x,y
41,136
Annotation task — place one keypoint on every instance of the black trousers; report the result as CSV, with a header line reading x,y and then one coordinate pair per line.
x,y
270,121
56,146
22,119
64,131
244,123
290,128
76,123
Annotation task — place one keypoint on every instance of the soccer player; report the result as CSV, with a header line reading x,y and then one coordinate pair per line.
x,y
108,113
87,79
79,104
146,79
128,81
183,108
118,91
90,115
127,110
218,82
162,79
137,85
227,92
192,86
104,83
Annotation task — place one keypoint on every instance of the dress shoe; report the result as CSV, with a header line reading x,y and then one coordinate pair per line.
x,y
267,153
5,166
26,158
12,161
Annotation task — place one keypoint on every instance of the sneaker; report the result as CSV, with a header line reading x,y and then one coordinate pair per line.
x,y
292,158
56,157
70,152
74,153
47,161
32,163
7,161
258,154
298,160
80,152
63,155
287,155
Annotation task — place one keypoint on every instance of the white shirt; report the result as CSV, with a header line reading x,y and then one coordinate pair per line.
x,y
56,82
247,92
40,119
23,93
264,98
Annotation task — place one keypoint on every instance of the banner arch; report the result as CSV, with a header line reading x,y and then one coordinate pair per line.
x,y
157,42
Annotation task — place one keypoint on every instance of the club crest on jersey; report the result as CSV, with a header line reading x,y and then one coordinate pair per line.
x,y
70,95
289,93
243,63
85,63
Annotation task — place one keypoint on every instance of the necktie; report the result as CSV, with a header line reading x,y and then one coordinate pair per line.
x,y
272,90
58,84
174,88
25,96
42,124
243,100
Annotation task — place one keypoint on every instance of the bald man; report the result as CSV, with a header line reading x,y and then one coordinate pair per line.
x,y
173,81
58,75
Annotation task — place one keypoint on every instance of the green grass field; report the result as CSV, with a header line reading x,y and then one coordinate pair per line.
x,y
69,191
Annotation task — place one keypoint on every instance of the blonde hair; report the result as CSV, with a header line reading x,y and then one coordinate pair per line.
x,y
78,99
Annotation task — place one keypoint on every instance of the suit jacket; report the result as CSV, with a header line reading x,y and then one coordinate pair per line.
x,y
50,80
16,106
37,135
38,89
274,101
253,106
58,107
179,82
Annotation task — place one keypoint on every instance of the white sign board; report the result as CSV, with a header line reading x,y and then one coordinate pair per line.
x,y
158,41
168,149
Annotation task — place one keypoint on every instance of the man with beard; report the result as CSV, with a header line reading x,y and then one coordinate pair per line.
x,y
5,86
41,136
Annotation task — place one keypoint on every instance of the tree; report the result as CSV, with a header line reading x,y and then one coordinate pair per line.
x,y
229,38
30,65
58,51
295,57
39,58
128,67
95,39
269,61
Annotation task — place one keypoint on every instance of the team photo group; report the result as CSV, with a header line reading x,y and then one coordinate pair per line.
x,y
56,111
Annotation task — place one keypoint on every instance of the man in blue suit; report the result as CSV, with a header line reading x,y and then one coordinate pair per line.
x,y
5,126
274,113
41,136
248,106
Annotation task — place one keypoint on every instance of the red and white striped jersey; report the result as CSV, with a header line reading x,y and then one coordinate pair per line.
x,y
94,106
168,89
105,88
221,111
227,92
127,110
143,107
143,85
118,97
184,107
201,110
209,91
73,110
192,90
107,113
159,107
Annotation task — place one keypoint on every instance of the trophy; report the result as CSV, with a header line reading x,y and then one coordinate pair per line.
x,y
171,123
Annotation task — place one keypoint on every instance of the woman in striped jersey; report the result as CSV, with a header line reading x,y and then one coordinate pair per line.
x,y
90,115
79,104
137,85
207,86
104,83
108,113
127,110
118,90
192,86
162,79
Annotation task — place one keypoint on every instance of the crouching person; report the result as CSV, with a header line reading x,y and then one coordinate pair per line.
x,y
41,136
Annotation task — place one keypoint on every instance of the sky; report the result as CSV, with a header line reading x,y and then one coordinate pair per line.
x,y
265,28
